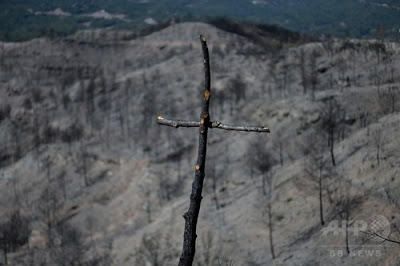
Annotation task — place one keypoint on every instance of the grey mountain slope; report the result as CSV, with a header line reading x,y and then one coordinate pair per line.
x,y
131,165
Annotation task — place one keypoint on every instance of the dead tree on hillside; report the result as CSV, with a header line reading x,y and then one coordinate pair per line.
x,y
314,167
90,107
330,122
263,162
278,147
239,88
388,98
213,173
377,138
308,72
16,135
155,249
14,233
338,192
191,216
303,72
313,73
83,162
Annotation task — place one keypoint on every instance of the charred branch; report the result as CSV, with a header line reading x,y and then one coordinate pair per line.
x,y
220,125
176,123
213,124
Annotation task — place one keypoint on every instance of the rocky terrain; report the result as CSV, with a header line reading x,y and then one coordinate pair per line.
x,y
89,178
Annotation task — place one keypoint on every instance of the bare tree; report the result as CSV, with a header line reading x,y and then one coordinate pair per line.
x,y
303,71
84,162
70,248
62,182
150,98
169,187
128,98
16,134
388,98
364,118
5,110
315,166
121,116
48,205
278,146
263,163
90,224
343,205
89,98
238,87
308,71
210,251
150,251
145,192
331,120
14,233
106,104
313,73
212,173
377,139
343,198
285,78
154,250
65,100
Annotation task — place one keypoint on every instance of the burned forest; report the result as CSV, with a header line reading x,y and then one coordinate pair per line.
x,y
296,139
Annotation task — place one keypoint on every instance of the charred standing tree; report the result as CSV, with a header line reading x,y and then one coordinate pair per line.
x,y
211,172
344,204
192,214
315,167
263,161
331,120
303,72
377,136
14,233
313,74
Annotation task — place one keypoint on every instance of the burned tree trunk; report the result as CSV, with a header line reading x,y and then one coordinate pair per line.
x,y
347,229
191,216
270,229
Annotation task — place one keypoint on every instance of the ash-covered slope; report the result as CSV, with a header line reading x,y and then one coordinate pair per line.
x,y
95,180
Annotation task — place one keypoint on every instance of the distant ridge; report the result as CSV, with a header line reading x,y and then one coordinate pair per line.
x,y
22,20
261,34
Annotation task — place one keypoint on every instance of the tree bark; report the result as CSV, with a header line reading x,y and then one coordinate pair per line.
x,y
191,216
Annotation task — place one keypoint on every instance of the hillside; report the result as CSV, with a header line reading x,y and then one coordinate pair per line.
x,y
90,177
23,20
